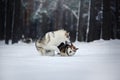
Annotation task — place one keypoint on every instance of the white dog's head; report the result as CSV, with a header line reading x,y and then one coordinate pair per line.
x,y
67,37
62,36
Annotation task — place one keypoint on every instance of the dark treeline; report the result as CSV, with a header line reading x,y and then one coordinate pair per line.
x,y
86,20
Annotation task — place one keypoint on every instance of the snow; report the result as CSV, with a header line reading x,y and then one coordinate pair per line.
x,y
97,60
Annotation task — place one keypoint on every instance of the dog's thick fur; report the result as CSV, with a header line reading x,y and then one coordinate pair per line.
x,y
67,49
48,44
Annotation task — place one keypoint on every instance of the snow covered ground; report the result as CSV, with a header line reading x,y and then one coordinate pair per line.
x,y
98,60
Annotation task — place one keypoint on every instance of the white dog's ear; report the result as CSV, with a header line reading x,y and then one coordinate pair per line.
x,y
67,34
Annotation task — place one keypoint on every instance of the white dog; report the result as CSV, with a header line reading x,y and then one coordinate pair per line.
x,y
50,42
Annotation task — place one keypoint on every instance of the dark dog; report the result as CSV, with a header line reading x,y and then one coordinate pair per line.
x,y
67,49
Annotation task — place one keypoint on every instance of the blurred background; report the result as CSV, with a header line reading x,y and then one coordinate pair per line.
x,y
86,20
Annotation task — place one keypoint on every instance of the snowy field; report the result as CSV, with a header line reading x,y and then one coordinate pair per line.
x,y
98,60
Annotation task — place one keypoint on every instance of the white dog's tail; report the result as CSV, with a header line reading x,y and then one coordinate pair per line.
x,y
37,44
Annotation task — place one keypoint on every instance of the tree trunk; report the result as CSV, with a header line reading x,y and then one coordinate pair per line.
x,y
118,18
58,15
16,34
80,25
95,24
2,19
8,27
73,27
107,20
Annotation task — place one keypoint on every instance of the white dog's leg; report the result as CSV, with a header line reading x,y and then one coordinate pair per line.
x,y
52,48
50,53
41,51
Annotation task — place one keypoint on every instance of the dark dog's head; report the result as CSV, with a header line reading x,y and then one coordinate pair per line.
x,y
71,50
68,49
